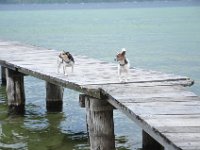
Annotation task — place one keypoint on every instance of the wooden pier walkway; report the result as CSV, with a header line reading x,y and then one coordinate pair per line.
x,y
159,103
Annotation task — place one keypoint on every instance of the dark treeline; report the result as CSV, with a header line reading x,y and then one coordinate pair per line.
x,y
67,1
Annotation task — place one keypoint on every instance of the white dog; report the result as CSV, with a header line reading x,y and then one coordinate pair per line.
x,y
123,66
65,59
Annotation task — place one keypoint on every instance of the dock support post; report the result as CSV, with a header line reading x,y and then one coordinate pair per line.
x,y
54,97
15,92
149,143
3,75
100,124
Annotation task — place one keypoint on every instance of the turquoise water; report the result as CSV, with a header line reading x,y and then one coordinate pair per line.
x,y
159,38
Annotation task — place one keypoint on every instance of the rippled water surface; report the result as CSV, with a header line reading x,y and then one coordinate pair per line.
x,y
164,38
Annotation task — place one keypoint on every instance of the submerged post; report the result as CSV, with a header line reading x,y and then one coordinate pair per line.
x,y
100,124
15,91
54,97
3,75
149,143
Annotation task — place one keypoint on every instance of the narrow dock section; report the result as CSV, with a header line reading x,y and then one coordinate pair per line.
x,y
158,102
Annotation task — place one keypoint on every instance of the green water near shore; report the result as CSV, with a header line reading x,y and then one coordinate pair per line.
x,y
159,38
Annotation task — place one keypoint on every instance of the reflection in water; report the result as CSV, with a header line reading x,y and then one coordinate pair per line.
x,y
38,131
121,141
37,128
20,145
50,131
12,137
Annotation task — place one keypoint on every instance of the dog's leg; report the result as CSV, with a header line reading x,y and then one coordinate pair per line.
x,y
63,67
72,68
65,70
119,74
126,75
58,66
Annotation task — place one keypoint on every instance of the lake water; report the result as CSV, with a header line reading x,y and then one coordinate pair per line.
x,y
162,36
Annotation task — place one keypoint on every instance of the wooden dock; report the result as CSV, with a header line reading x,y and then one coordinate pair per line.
x,y
159,103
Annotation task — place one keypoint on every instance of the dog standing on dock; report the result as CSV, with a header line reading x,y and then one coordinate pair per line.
x,y
123,66
65,59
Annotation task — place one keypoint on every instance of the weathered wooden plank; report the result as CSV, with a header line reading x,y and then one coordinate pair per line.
x,y
8,65
185,140
168,104
131,90
175,95
105,73
144,98
160,99
168,116
96,78
171,110
174,122
190,148
136,113
73,78
60,79
179,129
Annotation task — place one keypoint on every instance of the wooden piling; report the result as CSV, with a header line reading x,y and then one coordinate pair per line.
x,y
149,143
3,75
54,97
82,98
15,92
100,124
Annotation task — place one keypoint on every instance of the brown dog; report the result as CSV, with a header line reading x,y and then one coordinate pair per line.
x,y
65,59
123,66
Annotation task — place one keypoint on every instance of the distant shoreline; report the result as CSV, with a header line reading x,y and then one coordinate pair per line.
x,y
103,5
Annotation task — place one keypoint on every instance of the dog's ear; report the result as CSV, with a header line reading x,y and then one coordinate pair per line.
x,y
63,52
123,53
70,57
67,53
